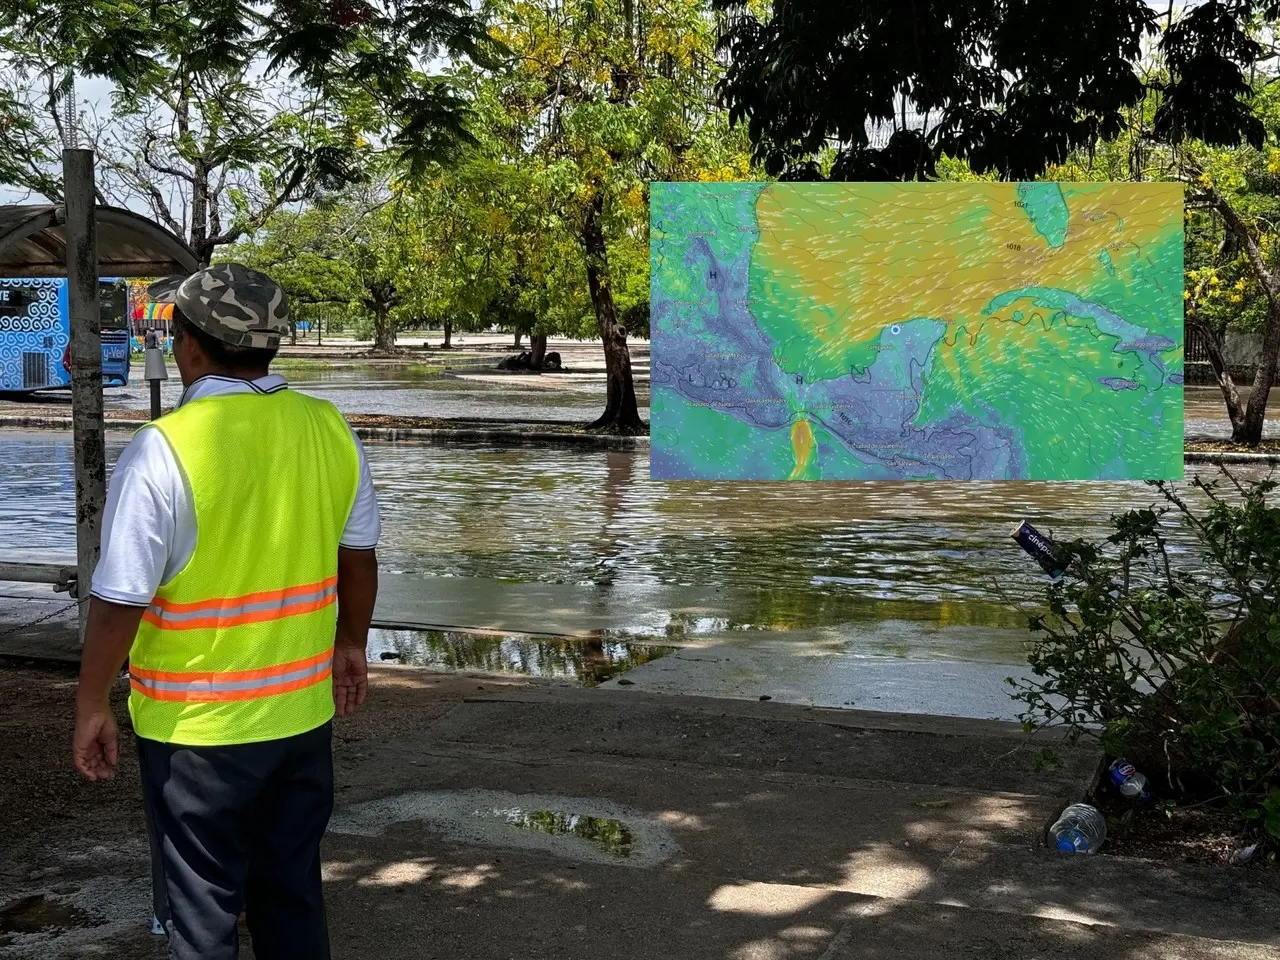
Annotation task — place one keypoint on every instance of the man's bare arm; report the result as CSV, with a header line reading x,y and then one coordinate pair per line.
x,y
357,593
108,637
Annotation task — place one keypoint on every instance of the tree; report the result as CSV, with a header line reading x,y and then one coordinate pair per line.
x,y
1002,86
211,154
604,96
1243,195
297,249
28,152
477,222
356,62
364,234
349,251
1233,201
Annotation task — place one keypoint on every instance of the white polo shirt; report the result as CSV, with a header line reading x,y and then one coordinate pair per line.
x,y
149,525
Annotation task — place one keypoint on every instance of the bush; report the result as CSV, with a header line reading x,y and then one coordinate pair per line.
x,y
362,326
1170,656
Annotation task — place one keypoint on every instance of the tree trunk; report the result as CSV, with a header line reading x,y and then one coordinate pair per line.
x,y
621,413
384,340
382,297
1250,431
448,336
1230,395
519,335
538,347
200,213
199,234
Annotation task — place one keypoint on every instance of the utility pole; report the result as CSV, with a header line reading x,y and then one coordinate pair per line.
x,y
86,364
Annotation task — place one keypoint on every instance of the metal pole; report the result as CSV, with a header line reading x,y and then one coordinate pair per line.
x,y
155,370
86,366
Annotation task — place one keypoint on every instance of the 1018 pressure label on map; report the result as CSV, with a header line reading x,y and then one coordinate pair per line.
x,y
916,331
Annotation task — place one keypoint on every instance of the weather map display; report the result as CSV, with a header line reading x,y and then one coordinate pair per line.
x,y
949,331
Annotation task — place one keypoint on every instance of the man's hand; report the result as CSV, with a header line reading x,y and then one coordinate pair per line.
x,y
110,631
357,592
350,679
96,744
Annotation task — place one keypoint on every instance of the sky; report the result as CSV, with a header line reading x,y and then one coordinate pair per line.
x,y
93,93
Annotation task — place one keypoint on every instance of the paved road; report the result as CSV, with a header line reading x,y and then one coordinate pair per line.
x,y
484,820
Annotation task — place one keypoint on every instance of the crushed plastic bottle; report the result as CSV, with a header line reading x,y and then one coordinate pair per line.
x,y
1241,857
1126,778
1080,829
1040,547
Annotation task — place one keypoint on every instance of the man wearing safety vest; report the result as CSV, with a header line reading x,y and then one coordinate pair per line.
x,y
238,576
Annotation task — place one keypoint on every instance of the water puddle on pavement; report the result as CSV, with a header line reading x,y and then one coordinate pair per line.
x,y
572,828
610,835
588,661
41,914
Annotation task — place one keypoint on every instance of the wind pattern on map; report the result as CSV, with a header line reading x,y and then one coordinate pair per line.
x,y
868,331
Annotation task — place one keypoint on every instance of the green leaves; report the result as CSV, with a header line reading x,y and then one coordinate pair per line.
x,y
1173,659
1269,813
1002,86
342,51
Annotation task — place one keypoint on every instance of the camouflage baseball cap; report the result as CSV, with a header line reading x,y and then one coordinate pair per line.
x,y
229,301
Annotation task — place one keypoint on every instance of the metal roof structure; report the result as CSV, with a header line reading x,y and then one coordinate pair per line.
x,y
33,243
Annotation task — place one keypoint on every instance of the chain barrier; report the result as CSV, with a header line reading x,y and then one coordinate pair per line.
x,y
17,628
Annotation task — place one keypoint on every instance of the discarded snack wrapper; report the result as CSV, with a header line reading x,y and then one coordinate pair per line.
x,y
1039,546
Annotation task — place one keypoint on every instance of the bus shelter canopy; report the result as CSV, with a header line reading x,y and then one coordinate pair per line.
x,y
33,243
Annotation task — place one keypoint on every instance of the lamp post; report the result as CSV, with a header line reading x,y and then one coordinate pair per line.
x,y
154,370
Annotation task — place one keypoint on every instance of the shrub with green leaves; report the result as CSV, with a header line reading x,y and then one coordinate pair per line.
x,y
1171,656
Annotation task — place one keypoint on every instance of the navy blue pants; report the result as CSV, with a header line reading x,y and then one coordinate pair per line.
x,y
238,829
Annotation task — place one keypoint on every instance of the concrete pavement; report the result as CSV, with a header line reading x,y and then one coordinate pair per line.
x,y
835,666
786,833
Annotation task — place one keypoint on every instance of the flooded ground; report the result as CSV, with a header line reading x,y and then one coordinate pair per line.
x,y
1206,413
510,396
798,558
476,390
409,391
574,828
872,569
470,387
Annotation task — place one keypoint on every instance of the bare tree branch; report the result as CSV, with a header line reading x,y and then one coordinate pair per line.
x,y
149,140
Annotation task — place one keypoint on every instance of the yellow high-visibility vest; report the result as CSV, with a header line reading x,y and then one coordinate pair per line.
x,y
238,646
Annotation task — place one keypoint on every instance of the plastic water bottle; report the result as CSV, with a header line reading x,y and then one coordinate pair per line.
x,y
1126,778
1080,829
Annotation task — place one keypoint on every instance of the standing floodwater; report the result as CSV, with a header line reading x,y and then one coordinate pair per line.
x,y
794,557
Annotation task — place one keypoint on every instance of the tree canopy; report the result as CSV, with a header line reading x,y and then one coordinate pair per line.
x,y
1010,86
365,62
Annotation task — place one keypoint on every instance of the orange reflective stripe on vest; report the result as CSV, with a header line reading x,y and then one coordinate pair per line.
x,y
237,611
205,687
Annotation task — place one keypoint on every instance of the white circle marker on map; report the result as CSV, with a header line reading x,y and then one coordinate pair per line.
x,y
895,329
